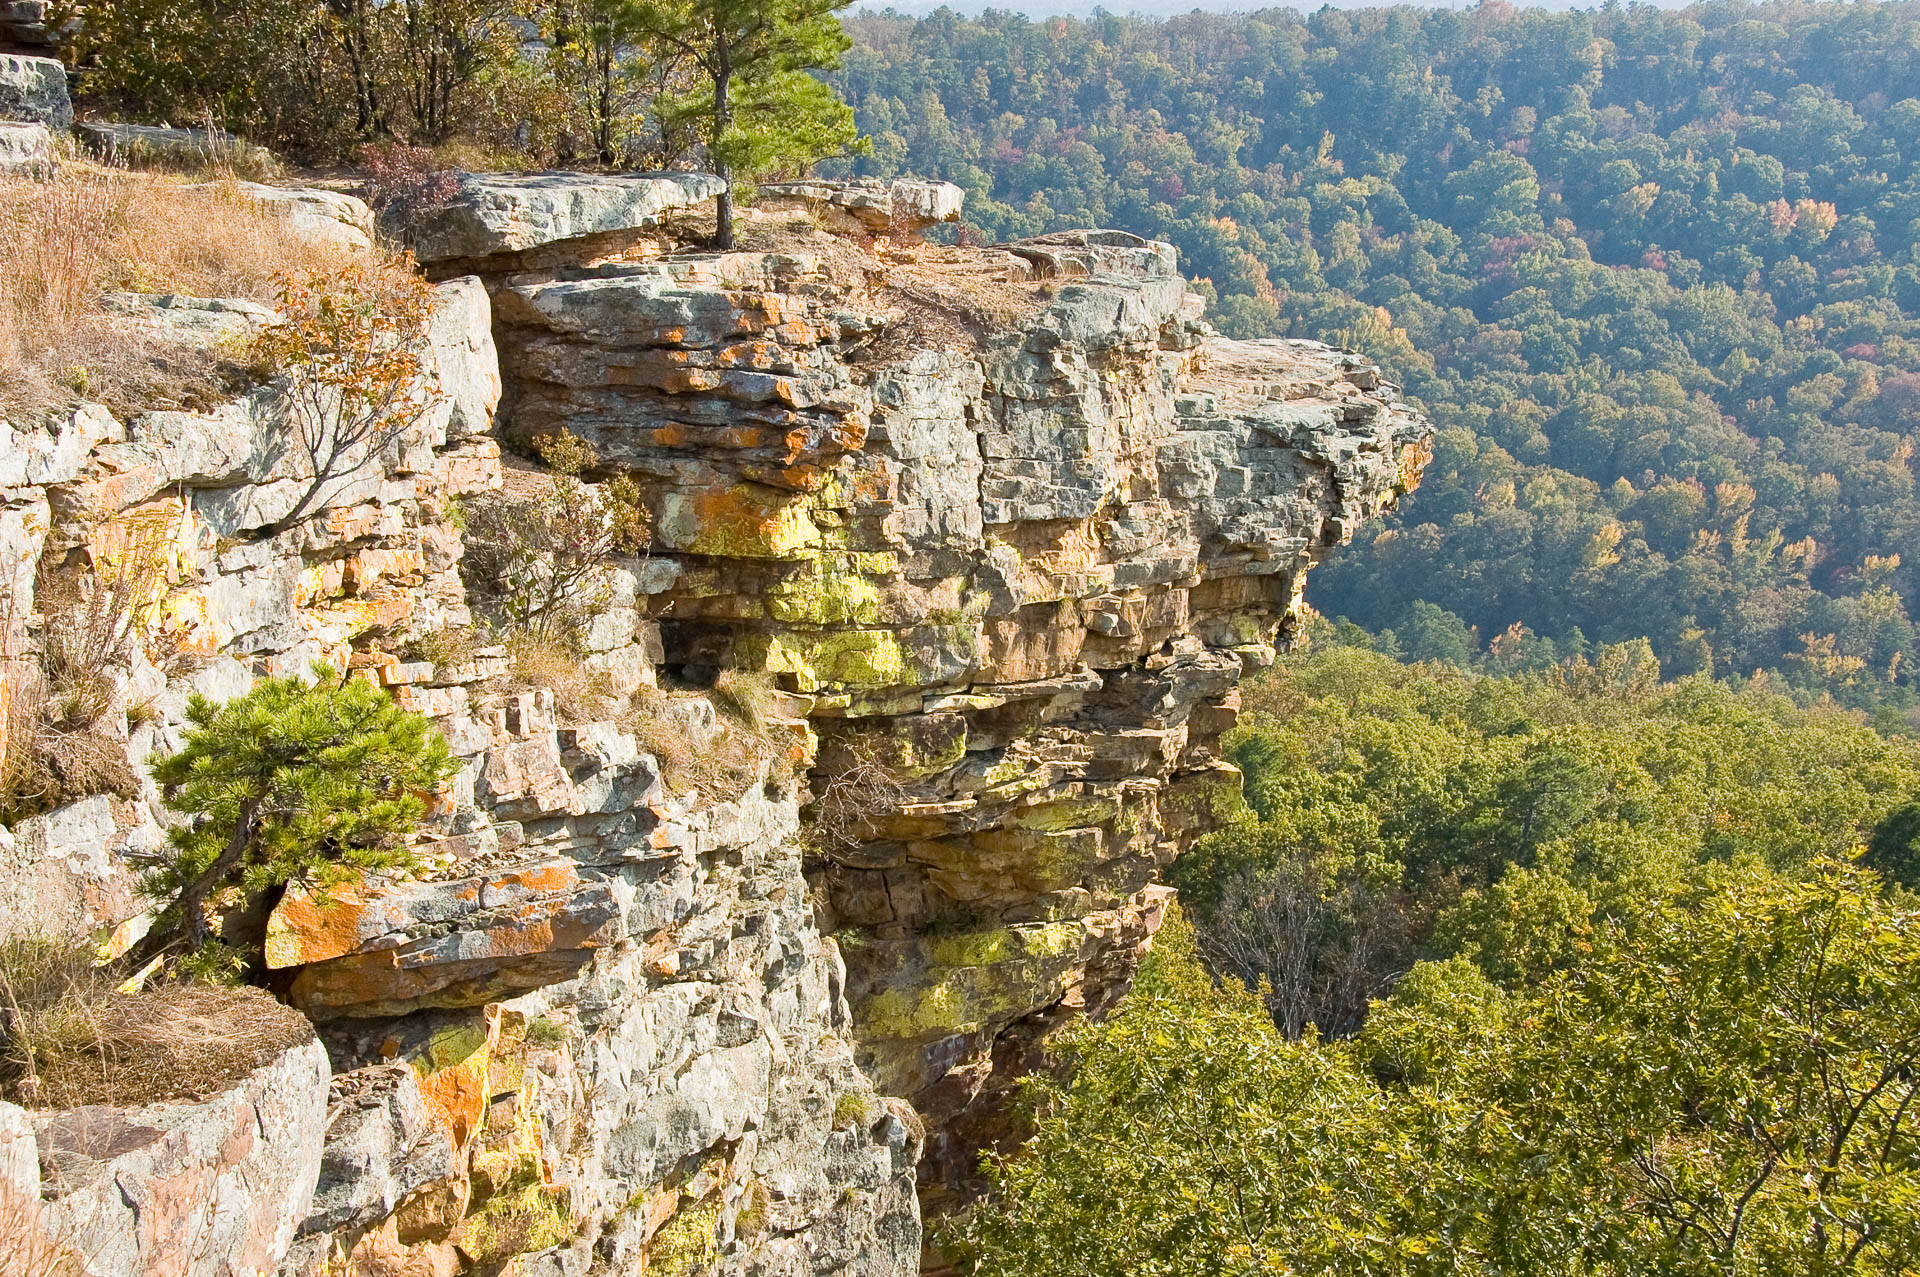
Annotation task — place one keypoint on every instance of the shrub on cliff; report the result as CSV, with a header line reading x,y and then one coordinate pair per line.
x,y
544,547
295,781
349,345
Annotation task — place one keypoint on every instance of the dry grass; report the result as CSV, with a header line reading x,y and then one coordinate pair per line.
x,y
719,773
580,695
88,231
71,1037
745,697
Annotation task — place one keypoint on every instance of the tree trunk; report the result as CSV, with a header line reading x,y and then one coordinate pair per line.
x,y
192,902
722,117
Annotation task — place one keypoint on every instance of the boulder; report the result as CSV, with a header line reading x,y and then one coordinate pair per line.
x,y
151,144
25,146
382,1144
208,1188
877,205
330,217
35,90
511,213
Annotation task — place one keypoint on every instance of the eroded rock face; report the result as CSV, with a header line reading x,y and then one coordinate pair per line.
x,y
1007,526
1016,522
209,1188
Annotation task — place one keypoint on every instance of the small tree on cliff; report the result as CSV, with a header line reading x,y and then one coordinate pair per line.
x,y
294,781
754,103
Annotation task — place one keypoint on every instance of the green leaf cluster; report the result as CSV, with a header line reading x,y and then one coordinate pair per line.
x,y
1724,1083
295,781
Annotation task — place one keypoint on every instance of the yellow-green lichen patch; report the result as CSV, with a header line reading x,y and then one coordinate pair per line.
x,y
847,658
687,1242
514,1210
826,593
1002,972
741,522
1076,813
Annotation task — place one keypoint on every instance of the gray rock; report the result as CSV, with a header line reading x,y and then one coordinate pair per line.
x,y
151,144
875,203
25,147
381,1144
215,1188
196,321
330,217
510,213
34,89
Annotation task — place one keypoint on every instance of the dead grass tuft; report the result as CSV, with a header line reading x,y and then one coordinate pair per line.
x,y
88,231
745,697
71,1037
580,694
721,772
26,1247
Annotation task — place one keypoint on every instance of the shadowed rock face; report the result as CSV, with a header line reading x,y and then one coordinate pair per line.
x,y
1015,523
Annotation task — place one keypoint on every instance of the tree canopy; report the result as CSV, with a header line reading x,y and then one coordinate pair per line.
x,y
1653,272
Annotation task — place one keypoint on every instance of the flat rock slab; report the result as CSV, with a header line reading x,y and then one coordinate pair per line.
x,y
24,146
876,204
511,213
35,90
153,144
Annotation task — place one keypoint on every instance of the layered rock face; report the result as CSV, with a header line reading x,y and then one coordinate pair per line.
x,y
1015,524
1006,526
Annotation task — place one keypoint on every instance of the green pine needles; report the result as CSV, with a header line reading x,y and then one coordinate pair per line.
x,y
295,781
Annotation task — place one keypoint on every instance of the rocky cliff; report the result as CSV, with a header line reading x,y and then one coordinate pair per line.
x,y
1005,525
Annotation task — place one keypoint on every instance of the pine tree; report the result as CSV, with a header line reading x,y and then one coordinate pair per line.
x,y
293,781
757,107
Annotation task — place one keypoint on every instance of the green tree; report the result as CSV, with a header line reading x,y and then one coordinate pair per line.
x,y
294,781
1723,1082
756,104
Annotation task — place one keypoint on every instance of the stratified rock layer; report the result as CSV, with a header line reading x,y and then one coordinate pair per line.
x,y
510,213
1016,523
1006,525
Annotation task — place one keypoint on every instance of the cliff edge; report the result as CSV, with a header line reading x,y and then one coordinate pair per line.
x,y
1004,526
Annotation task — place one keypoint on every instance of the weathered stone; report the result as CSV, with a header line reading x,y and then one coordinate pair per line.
x,y
214,1188
197,321
1016,529
152,144
510,213
877,204
25,147
35,90
381,1146
329,217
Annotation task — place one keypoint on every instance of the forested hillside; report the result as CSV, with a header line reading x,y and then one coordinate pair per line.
x,y
1559,972
1655,273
